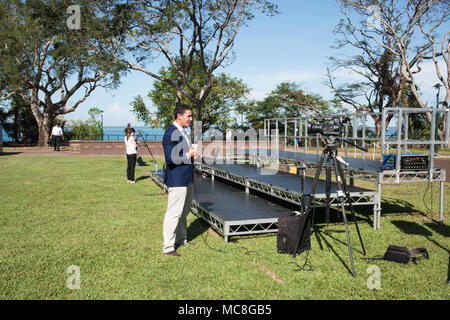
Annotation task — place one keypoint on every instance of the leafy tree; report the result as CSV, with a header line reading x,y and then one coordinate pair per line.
x,y
47,63
288,100
392,39
90,129
225,96
185,32
18,121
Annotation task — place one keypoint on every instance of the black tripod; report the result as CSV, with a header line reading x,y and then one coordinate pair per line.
x,y
329,154
148,148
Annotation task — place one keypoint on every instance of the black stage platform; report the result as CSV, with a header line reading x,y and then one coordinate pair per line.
x,y
354,164
365,170
284,185
229,210
278,178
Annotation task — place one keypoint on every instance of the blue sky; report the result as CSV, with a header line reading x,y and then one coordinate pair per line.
x,y
292,46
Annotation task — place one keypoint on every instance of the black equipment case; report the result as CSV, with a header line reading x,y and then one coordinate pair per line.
x,y
294,230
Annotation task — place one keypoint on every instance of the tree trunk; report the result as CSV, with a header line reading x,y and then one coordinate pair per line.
x,y
43,120
377,120
44,128
378,129
441,133
15,133
43,135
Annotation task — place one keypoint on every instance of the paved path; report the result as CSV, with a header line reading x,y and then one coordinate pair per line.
x,y
46,151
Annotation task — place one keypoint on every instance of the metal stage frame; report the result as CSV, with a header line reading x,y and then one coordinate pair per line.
x,y
362,169
251,215
288,187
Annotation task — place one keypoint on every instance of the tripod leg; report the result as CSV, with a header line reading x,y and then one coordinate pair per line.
x,y
307,200
340,196
301,230
348,239
148,148
317,175
327,190
347,194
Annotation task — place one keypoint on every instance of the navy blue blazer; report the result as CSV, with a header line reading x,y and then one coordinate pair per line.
x,y
179,168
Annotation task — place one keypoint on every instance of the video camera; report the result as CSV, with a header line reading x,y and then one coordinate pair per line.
x,y
329,126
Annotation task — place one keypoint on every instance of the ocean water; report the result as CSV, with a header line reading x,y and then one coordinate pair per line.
x,y
117,133
113,133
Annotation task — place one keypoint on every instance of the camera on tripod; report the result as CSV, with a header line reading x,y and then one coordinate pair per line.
x,y
329,126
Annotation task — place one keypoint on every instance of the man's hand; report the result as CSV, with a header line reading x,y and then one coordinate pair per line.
x,y
192,153
204,175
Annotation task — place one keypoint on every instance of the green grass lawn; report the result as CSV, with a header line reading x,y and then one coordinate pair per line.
x,y
56,212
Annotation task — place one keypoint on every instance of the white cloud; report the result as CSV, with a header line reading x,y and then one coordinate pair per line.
x,y
116,108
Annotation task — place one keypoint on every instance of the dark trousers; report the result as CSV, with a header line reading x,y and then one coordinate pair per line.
x,y
56,142
131,165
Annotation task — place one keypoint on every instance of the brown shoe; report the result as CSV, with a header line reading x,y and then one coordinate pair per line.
x,y
172,253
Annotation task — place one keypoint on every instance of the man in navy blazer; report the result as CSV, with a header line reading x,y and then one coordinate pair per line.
x,y
178,177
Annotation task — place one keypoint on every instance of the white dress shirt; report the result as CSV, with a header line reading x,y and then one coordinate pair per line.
x,y
183,132
57,131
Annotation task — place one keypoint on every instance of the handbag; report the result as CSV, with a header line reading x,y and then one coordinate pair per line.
x,y
403,255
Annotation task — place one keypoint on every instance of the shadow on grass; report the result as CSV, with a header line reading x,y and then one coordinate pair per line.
x,y
142,178
320,236
396,206
337,217
412,228
442,229
196,229
9,153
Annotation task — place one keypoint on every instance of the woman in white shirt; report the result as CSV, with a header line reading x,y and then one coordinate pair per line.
x,y
131,145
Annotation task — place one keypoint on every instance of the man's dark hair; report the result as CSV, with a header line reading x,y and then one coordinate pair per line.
x,y
180,108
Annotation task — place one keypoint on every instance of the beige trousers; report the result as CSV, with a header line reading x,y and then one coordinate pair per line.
x,y
178,207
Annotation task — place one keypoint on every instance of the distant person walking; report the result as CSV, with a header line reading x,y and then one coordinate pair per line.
x,y
56,136
131,152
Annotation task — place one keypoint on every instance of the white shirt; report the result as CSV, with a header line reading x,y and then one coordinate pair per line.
x,y
57,131
183,132
131,149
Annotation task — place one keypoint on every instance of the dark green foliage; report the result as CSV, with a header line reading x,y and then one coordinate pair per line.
x,y
47,62
288,100
85,130
225,96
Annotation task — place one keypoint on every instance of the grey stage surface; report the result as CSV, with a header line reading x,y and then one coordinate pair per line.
x,y
232,204
282,179
354,164
229,210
